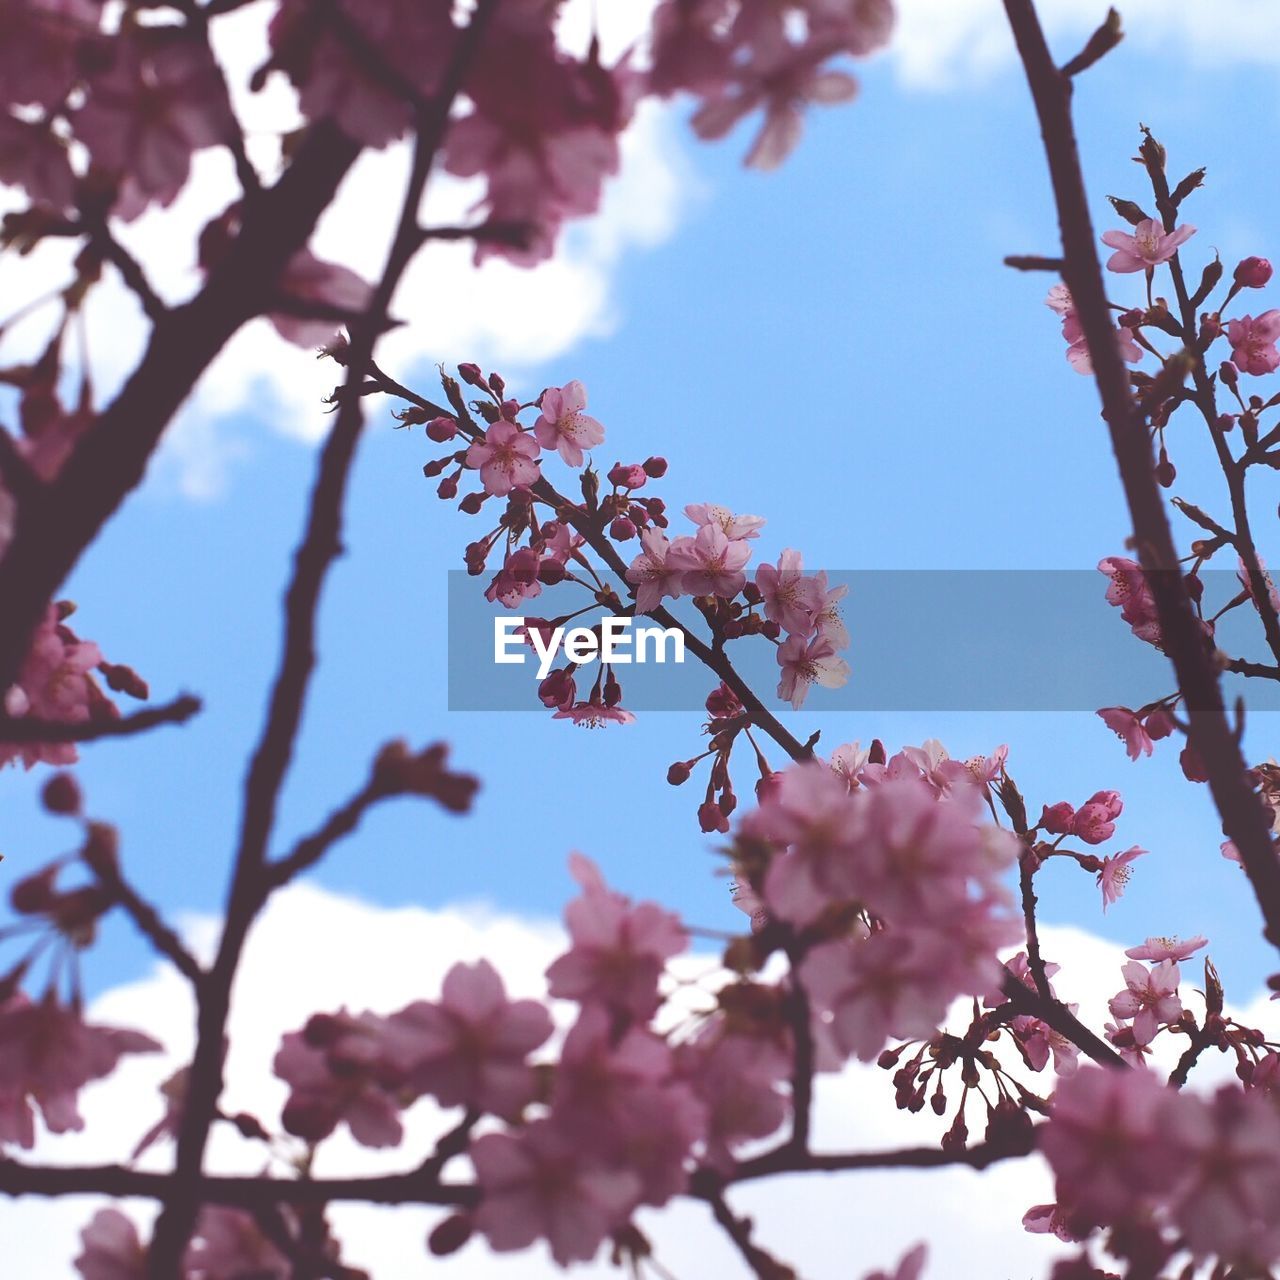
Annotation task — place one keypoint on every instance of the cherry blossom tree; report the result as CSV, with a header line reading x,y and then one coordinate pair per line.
x,y
889,897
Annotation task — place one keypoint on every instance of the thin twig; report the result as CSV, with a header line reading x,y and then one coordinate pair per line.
x,y
147,919
308,851
31,729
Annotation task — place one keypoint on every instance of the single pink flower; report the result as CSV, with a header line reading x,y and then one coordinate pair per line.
x,y
517,580
228,1244
506,459
650,574
1148,246
563,426
1228,1153
1167,948
618,951
1253,342
808,662
111,1249
1047,1219
1129,590
1056,819
847,762
1106,1142
536,1183
733,527
472,1047
47,1055
1150,998
829,622
593,713
711,562
1115,874
1129,729
791,599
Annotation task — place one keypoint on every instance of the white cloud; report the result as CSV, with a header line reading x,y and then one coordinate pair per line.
x,y
942,43
315,950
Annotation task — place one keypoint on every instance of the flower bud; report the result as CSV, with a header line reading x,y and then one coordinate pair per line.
x,y
450,1235
61,794
1253,273
622,529
442,429
448,488
471,504
655,467
679,772
471,374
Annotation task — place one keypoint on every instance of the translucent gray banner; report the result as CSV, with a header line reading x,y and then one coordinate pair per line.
x,y
920,640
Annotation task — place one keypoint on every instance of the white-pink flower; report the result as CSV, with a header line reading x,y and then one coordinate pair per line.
x,y
506,459
1148,246
563,426
1253,342
808,662
650,574
733,527
1150,998
1167,948
710,563
536,1184
472,1047
792,599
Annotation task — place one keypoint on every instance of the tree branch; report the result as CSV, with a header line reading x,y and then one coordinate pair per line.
x,y
1243,818
30,729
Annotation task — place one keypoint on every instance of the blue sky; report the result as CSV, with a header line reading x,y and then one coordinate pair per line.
x,y
836,347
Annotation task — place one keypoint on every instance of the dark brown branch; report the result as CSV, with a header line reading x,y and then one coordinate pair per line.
x,y
147,919
1026,885
1033,262
57,523
763,1264
1242,667
1103,40
1242,815
29,729
18,1179
1061,1019
320,547
307,852
784,1159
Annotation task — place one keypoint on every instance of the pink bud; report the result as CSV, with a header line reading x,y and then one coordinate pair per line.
x,y
442,429
622,529
471,374
1057,818
1159,724
655,467
1253,273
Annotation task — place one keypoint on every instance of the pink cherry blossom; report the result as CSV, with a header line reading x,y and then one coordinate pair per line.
x,y
1095,820
110,1248
847,762
47,1055
1115,874
507,458
829,623
616,1096
710,563
1148,246
517,580
340,1068
808,662
593,714
54,683
33,157
791,599
1150,998
737,1077
1167,948
536,1184
1253,342
1107,1143
308,279
471,1049
1228,1156
733,527
38,55
1129,729
160,99
1047,1219
618,950
1130,591
563,426
1057,819
649,573
337,84
1039,1041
